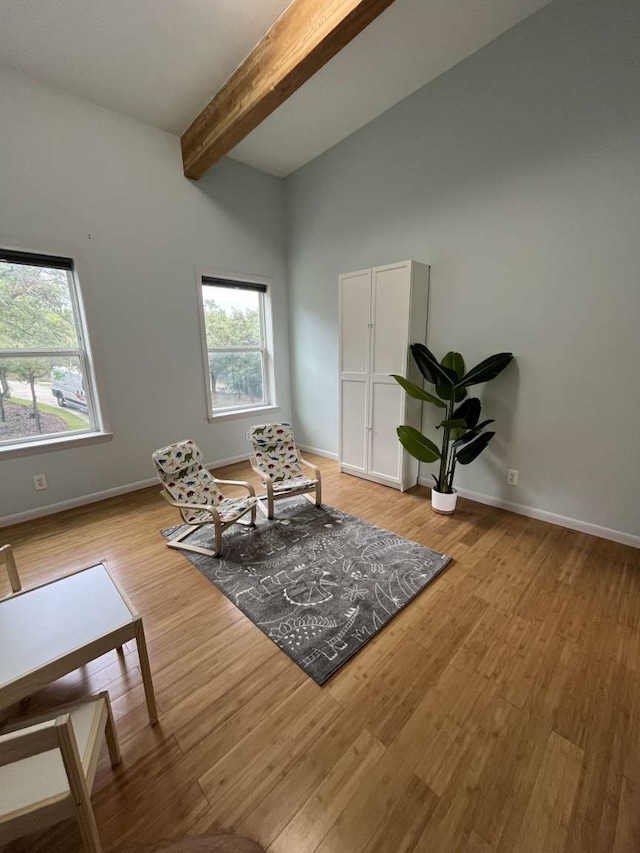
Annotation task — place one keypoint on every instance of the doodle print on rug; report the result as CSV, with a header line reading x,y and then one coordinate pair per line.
x,y
319,582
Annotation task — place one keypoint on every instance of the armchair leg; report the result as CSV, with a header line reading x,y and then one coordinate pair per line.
x,y
218,540
177,542
269,499
319,494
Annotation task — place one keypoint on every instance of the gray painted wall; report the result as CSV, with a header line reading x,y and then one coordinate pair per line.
x,y
67,169
516,175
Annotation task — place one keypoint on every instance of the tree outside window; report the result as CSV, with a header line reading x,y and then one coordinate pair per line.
x,y
234,323
44,377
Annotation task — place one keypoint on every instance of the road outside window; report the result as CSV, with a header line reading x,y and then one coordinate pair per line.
x,y
45,381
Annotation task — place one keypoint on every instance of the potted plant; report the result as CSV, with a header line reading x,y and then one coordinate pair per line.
x,y
463,434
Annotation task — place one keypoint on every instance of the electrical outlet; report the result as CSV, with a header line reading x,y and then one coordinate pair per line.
x,y
40,482
512,477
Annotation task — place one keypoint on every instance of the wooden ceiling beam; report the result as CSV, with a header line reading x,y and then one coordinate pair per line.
x,y
303,39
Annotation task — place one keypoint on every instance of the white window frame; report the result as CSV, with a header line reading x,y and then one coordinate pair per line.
x,y
96,429
268,374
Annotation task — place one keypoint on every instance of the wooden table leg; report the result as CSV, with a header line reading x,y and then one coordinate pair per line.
x,y
147,681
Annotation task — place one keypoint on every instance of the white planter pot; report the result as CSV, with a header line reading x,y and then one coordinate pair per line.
x,y
443,503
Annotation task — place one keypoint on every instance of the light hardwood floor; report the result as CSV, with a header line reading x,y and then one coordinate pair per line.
x,y
499,713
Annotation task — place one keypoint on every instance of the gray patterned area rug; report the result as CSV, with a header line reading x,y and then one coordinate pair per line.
x,y
319,582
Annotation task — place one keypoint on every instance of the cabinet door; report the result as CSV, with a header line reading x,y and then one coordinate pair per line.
x,y
355,322
353,424
391,297
355,351
385,450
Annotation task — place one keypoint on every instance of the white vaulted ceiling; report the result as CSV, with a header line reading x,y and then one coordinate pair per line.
x,y
160,61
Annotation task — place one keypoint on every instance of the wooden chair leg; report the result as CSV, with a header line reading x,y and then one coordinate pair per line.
x,y
88,827
111,734
319,493
252,515
218,545
80,793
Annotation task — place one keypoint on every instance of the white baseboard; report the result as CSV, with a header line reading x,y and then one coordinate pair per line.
x,y
519,509
372,478
318,451
543,515
61,506
230,461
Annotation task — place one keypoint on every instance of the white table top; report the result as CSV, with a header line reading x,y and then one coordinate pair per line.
x,y
48,622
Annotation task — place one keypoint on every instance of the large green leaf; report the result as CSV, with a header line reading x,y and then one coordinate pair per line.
x,y
469,411
446,392
465,439
471,451
454,362
445,389
418,393
417,444
487,369
428,365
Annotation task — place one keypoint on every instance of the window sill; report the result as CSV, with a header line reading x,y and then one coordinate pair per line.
x,y
242,413
48,445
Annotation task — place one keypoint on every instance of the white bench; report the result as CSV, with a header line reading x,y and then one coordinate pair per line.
x,y
47,768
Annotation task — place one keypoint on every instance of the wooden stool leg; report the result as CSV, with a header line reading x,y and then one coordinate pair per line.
x,y
111,735
88,827
80,793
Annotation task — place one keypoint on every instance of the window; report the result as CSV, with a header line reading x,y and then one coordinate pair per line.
x,y
46,390
237,358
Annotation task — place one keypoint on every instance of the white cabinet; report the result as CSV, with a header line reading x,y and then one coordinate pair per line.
x,y
382,311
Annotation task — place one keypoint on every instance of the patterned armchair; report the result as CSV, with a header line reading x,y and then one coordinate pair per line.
x,y
188,486
279,465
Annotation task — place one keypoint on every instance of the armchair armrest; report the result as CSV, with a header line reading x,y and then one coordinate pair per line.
x,y
243,483
263,477
197,507
313,467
